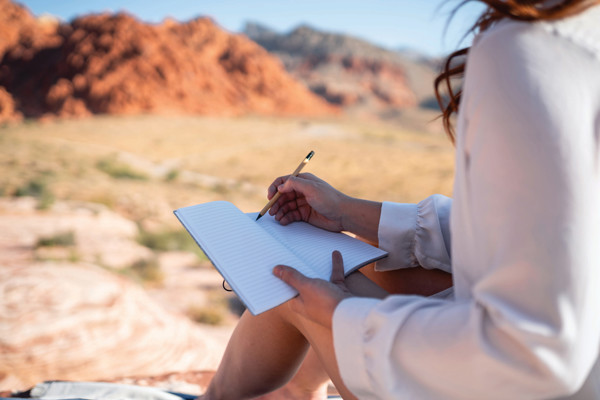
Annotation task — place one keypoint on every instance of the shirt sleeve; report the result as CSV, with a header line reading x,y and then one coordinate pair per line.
x,y
525,321
416,235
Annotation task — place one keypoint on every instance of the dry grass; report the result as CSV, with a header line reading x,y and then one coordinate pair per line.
x,y
188,160
207,315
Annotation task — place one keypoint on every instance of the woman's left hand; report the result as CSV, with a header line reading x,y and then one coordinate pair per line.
x,y
317,298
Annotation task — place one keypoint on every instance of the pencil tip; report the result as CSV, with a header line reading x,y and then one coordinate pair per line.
x,y
258,217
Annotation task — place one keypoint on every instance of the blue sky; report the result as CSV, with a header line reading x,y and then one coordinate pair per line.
x,y
415,24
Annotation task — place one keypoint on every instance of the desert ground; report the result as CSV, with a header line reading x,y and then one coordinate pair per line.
x,y
95,197
185,160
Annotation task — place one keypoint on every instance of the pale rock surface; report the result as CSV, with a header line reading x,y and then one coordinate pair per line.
x,y
101,236
81,322
74,320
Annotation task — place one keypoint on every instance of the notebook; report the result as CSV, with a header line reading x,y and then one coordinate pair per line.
x,y
245,251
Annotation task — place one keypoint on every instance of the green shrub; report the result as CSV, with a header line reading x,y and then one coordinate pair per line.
x,y
45,201
119,170
62,239
69,254
147,271
38,188
34,187
207,315
170,240
171,175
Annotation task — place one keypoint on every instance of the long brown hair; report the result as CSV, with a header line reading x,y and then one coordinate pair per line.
x,y
446,92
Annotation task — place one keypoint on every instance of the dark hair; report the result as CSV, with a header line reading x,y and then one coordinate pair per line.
x,y
521,10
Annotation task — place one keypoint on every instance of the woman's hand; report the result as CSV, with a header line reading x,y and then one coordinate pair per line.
x,y
317,298
310,199
307,198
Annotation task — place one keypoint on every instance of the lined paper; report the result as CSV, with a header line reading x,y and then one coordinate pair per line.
x,y
314,246
245,251
242,251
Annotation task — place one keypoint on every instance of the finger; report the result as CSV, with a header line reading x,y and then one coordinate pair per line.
x,y
297,184
293,211
288,206
308,176
290,217
283,199
286,197
273,188
290,276
337,267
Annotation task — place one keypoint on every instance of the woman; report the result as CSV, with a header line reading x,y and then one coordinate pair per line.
x,y
523,319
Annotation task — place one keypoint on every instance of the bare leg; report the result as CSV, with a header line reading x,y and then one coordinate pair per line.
x,y
418,280
265,351
310,382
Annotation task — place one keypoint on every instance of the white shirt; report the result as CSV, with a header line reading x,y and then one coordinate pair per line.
x,y
524,322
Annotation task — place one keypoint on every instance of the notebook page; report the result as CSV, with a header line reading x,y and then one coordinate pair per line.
x,y
243,253
314,246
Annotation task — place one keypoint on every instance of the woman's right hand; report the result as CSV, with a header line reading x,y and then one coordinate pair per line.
x,y
307,198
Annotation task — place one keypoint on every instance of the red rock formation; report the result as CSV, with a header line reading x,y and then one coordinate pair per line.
x,y
356,75
15,21
377,83
20,31
116,64
7,108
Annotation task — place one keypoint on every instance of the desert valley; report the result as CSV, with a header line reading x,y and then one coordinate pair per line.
x,y
108,124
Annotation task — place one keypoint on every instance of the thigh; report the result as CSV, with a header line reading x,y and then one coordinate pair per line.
x,y
417,280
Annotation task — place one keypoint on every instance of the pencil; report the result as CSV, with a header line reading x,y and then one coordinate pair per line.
x,y
295,173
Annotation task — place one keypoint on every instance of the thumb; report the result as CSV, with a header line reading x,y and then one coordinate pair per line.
x,y
337,268
290,276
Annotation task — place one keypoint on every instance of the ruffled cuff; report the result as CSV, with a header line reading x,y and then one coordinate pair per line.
x,y
432,241
416,235
397,226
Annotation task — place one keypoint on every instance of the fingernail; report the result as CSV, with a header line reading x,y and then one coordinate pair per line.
x,y
277,271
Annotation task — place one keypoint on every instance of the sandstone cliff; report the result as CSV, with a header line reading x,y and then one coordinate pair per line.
x,y
350,72
116,64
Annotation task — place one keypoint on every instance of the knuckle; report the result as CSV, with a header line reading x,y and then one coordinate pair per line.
x,y
289,272
297,215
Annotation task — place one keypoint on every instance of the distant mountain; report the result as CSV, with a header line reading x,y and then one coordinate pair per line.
x,y
116,64
348,71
